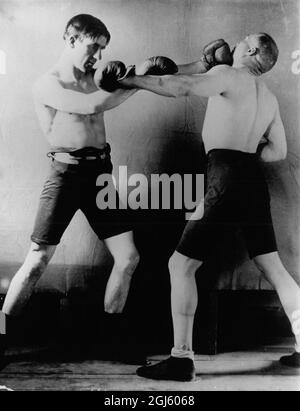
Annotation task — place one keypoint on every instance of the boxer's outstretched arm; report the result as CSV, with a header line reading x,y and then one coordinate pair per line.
x,y
217,81
197,67
276,147
215,53
51,93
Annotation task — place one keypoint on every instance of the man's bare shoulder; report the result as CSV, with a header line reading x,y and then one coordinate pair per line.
x,y
46,81
227,76
225,73
222,69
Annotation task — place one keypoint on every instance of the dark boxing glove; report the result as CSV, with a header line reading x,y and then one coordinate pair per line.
x,y
107,78
157,66
215,53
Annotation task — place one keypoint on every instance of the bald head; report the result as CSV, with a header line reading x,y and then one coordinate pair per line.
x,y
258,52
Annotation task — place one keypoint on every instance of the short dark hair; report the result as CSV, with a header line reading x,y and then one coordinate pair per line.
x,y
268,52
86,25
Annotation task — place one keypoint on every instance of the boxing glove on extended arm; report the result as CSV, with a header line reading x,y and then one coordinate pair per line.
x,y
157,66
107,78
154,66
215,53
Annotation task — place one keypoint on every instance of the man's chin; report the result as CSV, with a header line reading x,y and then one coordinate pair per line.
x,y
87,69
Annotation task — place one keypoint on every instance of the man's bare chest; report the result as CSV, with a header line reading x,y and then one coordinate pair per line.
x,y
85,85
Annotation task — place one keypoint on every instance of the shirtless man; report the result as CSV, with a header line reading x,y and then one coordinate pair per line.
x,y
70,110
241,109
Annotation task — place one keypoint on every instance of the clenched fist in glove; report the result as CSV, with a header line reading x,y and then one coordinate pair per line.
x,y
157,66
215,53
107,78
154,66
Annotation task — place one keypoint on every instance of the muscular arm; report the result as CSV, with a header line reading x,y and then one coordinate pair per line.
x,y
216,81
215,53
276,147
192,68
50,92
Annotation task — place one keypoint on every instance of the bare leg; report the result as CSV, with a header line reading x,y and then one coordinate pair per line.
x,y
184,299
24,281
287,288
126,259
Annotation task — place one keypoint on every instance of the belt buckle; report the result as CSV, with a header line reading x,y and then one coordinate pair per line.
x,y
87,158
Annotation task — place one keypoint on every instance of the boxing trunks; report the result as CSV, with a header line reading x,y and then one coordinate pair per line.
x,y
71,186
236,196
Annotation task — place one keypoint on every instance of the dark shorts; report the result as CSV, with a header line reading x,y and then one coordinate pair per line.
x,y
237,195
72,187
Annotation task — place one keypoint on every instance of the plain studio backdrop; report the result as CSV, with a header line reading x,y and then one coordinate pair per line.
x,y
149,134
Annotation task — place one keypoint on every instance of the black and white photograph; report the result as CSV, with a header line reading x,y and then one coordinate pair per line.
x,y
149,198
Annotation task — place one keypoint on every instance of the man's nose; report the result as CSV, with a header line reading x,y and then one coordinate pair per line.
x,y
98,55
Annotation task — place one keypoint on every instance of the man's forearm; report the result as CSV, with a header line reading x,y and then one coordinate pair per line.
x,y
51,94
197,67
167,86
270,154
112,100
96,102
217,81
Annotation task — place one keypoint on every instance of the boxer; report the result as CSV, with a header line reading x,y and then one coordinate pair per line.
x,y
70,101
241,109
70,109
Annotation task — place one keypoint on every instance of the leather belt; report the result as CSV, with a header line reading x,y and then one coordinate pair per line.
x,y
82,155
67,158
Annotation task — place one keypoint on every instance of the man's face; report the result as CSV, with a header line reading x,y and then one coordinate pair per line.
x,y
243,48
87,52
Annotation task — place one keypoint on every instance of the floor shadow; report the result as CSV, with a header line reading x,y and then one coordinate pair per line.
x,y
273,369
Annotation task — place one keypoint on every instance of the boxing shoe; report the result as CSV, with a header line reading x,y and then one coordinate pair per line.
x,y
291,360
175,369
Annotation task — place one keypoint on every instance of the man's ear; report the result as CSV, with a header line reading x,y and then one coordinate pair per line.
x,y
71,41
252,51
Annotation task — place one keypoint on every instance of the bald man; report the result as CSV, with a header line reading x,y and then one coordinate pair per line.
x,y
241,109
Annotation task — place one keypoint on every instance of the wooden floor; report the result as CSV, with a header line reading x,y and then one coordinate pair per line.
x,y
239,371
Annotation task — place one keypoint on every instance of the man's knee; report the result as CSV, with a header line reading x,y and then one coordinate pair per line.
x,y
182,265
128,262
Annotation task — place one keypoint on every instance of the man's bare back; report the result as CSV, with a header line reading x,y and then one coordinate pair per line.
x,y
238,118
70,131
241,110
